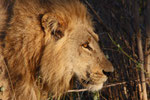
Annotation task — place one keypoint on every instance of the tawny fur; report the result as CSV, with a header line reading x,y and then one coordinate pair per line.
x,y
3,13
4,87
4,82
39,39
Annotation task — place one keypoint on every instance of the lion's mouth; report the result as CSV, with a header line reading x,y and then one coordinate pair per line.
x,y
93,85
90,83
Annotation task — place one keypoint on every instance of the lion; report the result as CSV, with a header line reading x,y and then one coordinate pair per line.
x,y
53,40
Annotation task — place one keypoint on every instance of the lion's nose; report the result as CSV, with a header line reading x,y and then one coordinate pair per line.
x,y
107,73
107,66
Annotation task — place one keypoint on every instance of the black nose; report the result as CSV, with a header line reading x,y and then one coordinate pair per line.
x,y
107,73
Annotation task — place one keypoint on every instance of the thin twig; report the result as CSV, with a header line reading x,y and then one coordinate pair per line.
x,y
112,85
121,49
80,90
99,18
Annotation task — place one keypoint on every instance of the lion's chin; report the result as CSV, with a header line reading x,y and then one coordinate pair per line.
x,y
95,87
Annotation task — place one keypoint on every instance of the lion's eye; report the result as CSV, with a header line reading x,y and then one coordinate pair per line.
x,y
86,45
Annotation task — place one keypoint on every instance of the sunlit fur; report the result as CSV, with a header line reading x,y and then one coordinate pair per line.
x,y
34,46
4,88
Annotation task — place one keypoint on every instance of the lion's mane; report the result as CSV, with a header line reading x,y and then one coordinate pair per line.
x,y
26,49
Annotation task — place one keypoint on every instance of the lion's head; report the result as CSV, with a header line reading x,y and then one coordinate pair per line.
x,y
72,49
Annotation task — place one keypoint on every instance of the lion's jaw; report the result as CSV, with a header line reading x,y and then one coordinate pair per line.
x,y
97,86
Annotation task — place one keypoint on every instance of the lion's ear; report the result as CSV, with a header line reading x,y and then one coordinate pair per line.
x,y
52,25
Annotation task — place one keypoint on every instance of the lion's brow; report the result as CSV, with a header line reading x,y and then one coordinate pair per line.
x,y
93,35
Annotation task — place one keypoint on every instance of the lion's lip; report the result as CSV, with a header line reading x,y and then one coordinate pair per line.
x,y
91,81
95,87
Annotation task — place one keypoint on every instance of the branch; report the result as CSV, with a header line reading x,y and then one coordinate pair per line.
x,y
112,85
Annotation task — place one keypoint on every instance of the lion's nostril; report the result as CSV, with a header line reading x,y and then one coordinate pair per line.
x,y
107,73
